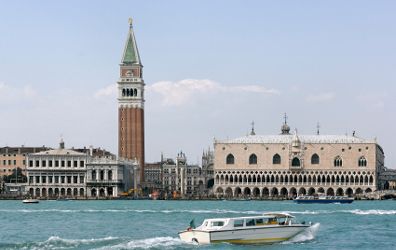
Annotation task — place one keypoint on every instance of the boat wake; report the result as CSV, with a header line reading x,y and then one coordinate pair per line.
x,y
150,243
307,235
373,212
55,242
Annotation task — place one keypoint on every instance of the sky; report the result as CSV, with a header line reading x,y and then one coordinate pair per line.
x,y
210,68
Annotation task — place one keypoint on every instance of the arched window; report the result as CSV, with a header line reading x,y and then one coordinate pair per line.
x,y
362,162
296,162
276,159
128,92
110,175
135,92
123,92
253,159
230,159
338,162
93,175
315,159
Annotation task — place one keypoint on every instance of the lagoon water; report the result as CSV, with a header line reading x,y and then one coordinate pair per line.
x,y
147,224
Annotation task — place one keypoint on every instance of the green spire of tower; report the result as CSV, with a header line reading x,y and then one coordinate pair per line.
x,y
131,53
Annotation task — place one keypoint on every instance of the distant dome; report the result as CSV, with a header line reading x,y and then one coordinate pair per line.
x,y
296,141
285,129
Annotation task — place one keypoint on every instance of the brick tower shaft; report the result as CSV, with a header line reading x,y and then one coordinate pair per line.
x,y
131,104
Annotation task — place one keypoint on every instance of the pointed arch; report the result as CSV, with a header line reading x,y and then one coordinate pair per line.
x,y
315,159
230,159
253,159
338,161
296,162
362,162
276,159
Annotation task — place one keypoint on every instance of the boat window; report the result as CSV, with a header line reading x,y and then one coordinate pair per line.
x,y
272,221
282,221
217,223
238,223
259,221
250,222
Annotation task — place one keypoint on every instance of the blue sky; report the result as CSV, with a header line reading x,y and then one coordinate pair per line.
x,y
211,67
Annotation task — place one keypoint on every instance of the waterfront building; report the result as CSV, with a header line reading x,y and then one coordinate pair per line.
x,y
108,177
78,173
13,158
185,180
287,165
57,173
131,104
152,177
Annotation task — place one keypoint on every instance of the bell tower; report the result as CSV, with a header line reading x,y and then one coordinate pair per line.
x,y
131,104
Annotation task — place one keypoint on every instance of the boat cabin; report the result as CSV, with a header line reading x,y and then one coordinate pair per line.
x,y
245,222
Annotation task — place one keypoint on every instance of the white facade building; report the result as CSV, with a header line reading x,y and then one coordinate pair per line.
x,y
62,173
109,177
56,173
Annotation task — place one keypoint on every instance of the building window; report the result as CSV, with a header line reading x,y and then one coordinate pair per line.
x,y
69,163
43,163
56,163
4,162
62,163
62,179
30,163
230,159
56,179
110,175
14,162
37,179
81,179
296,162
82,164
37,163
49,179
315,159
338,162
276,159
253,159
69,179
50,163
362,162
44,179
75,164
75,179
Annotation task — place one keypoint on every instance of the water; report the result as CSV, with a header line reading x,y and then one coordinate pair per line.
x,y
154,224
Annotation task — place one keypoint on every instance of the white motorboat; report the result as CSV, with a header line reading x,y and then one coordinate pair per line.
x,y
267,228
30,201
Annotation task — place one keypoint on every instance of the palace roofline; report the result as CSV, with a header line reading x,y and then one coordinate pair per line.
x,y
284,139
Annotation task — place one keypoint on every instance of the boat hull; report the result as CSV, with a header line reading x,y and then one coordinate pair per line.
x,y
30,201
263,235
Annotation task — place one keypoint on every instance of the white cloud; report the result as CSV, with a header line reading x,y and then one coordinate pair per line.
x,y
108,91
323,97
181,92
10,93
